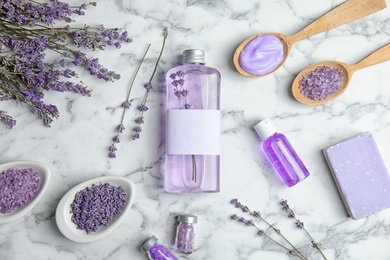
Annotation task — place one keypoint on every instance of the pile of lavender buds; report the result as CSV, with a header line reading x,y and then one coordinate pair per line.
x,y
159,252
185,237
321,83
17,188
28,33
96,206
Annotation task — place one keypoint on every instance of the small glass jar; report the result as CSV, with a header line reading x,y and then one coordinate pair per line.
x,y
156,251
185,233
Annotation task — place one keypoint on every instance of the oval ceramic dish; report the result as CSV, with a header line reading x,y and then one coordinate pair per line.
x,y
64,214
44,173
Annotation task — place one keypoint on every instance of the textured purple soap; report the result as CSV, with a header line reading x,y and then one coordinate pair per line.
x,y
360,174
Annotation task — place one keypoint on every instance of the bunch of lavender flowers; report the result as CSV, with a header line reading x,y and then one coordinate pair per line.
x,y
300,225
294,251
28,33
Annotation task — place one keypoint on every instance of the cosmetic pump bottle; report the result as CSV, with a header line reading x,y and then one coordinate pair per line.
x,y
192,126
281,154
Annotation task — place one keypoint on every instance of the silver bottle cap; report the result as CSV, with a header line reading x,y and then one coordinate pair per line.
x,y
148,244
193,56
187,218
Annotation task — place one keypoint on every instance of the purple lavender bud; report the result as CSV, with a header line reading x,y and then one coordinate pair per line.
x,y
138,129
126,104
178,93
136,136
234,201
180,82
238,205
143,108
245,209
250,223
284,203
62,62
172,76
112,155
116,139
175,83
242,220
139,120
148,85
234,217
112,148
299,224
187,106
8,120
180,73
184,92
256,214
117,45
291,214
261,232
120,128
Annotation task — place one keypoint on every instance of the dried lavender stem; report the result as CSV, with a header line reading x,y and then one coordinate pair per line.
x,y
293,252
132,81
299,253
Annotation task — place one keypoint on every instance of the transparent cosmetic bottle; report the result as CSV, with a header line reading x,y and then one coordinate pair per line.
x,y
281,154
192,126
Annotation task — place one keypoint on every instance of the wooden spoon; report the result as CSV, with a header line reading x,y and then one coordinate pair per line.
x,y
381,55
344,13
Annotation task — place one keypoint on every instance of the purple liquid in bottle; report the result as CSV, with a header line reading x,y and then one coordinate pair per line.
x,y
193,126
281,154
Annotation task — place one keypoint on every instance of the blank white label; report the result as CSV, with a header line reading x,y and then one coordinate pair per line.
x,y
193,132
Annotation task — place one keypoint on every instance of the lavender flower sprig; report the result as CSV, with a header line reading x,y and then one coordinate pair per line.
x,y
257,214
27,34
148,87
261,232
300,225
125,105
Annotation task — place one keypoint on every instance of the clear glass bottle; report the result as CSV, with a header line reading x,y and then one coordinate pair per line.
x,y
185,233
192,126
281,154
156,251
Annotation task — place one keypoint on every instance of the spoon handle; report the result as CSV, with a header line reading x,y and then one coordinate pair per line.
x,y
347,12
381,55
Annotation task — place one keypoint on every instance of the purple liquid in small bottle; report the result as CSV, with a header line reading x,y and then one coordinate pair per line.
x,y
281,154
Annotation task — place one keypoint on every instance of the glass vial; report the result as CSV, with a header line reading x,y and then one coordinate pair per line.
x,y
156,251
281,154
192,126
185,233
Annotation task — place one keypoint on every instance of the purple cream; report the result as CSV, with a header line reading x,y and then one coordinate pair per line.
x,y
360,174
262,55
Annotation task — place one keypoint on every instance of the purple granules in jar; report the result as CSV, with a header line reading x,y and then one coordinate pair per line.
x,y
185,233
17,188
321,83
97,205
156,251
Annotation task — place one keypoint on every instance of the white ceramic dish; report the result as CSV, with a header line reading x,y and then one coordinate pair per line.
x,y
44,173
64,215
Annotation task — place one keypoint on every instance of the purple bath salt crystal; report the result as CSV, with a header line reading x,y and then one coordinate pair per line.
x,y
156,251
321,83
185,233
17,188
97,206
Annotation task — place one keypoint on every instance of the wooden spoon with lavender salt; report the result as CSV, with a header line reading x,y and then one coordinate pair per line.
x,y
324,81
262,54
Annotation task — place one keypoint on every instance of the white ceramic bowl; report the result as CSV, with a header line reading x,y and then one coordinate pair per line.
x,y
44,173
64,215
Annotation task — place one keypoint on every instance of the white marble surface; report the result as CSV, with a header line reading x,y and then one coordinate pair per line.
x,y
75,147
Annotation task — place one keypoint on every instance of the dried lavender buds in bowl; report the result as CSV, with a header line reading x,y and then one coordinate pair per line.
x,y
93,209
22,184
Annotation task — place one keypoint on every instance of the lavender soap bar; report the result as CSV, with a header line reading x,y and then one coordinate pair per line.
x,y
360,175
